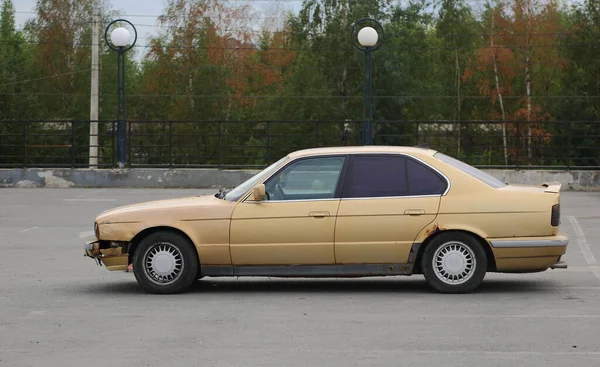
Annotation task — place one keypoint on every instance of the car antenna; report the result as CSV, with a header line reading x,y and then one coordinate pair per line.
x,y
422,145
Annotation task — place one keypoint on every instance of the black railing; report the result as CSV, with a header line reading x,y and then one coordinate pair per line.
x,y
255,144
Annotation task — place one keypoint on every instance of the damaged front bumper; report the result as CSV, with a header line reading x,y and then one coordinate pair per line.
x,y
92,249
113,258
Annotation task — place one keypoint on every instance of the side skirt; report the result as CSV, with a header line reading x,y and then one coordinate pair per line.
x,y
306,271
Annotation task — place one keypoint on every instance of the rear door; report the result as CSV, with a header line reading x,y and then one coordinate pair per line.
x,y
387,199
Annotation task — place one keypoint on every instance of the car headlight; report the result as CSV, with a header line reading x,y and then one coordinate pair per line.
x,y
97,230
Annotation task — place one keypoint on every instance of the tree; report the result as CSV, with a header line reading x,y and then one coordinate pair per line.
x,y
59,34
13,97
493,64
455,28
411,74
324,26
210,66
522,59
13,62
533,33
580,84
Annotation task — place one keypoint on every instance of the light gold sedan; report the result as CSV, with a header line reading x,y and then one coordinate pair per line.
x,y
341,212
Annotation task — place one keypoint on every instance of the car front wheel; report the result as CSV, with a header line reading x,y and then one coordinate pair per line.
x,y
165,262
454,262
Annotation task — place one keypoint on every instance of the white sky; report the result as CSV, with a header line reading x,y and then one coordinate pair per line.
x,y
129,8
146,25
155,7
143,13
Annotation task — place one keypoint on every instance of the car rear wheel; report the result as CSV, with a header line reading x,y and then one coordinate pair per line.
x,y
454,262
165,262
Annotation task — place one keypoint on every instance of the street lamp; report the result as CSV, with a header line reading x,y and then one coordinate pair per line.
x,y
368,41
120,41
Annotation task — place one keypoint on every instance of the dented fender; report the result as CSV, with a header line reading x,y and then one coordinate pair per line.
x,y
434,228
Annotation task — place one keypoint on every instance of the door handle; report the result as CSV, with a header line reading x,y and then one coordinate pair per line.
x,y
414,212
318,214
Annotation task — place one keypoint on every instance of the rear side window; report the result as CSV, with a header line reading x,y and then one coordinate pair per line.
x,y
390,176
423,180
376,176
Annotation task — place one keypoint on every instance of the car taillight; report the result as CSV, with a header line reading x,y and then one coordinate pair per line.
x,y
555,219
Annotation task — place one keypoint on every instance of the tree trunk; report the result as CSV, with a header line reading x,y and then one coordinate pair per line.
x,y
528,79
457,69
497,79
342,83
191,92
528,87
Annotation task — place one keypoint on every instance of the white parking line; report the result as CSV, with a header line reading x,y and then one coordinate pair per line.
x,y
400,352
29,229
585,248
497,316
582,242
90,193
89,200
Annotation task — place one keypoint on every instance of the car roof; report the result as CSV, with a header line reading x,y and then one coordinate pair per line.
x,y
363,149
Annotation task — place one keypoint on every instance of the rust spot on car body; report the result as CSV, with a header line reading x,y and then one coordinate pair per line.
x,y
434,229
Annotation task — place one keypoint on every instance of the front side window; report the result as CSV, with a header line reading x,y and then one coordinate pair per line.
x,y
306,179
242,188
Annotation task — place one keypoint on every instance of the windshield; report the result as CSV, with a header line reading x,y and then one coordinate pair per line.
x,y
470,170
237,192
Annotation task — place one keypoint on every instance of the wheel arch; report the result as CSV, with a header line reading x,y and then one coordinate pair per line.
x,y
148,231
491,266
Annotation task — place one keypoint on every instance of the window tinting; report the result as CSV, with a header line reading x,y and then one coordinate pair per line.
x,y
376,176
424,181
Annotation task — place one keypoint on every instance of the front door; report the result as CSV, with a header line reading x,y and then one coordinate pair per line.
x,y
295,223
386,201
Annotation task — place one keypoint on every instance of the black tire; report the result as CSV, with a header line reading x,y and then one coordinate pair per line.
x,y
455,250
168,250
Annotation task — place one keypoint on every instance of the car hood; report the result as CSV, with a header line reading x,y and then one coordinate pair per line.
x,y
187,208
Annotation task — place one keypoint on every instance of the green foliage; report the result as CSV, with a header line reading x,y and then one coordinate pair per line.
x,y
210,90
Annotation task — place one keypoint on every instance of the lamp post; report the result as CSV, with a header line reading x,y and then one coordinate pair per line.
x,y
368,41
120,41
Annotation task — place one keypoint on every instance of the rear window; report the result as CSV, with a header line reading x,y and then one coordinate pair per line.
x,y
472,171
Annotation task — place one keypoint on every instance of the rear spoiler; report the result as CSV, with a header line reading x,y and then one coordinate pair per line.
x,y
553,186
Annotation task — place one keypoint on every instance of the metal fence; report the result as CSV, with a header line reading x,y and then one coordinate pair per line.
x,y
255,144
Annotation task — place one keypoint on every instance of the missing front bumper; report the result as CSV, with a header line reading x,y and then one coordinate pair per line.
x,y
92,248
113,258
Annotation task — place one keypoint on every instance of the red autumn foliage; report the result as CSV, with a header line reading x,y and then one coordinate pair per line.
x,y
207,44
525,35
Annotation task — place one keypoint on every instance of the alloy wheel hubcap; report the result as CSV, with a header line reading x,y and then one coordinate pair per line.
x,y
163,263
454,263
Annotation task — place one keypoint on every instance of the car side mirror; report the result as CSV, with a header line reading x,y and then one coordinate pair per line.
x,y
259,192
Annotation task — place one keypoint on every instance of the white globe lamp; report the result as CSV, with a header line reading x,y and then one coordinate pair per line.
x,y
120,37
367,37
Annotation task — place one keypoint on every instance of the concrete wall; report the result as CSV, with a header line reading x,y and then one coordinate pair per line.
x,y
213,178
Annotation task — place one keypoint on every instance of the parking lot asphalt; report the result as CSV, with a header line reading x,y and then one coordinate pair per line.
x,y
58,308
